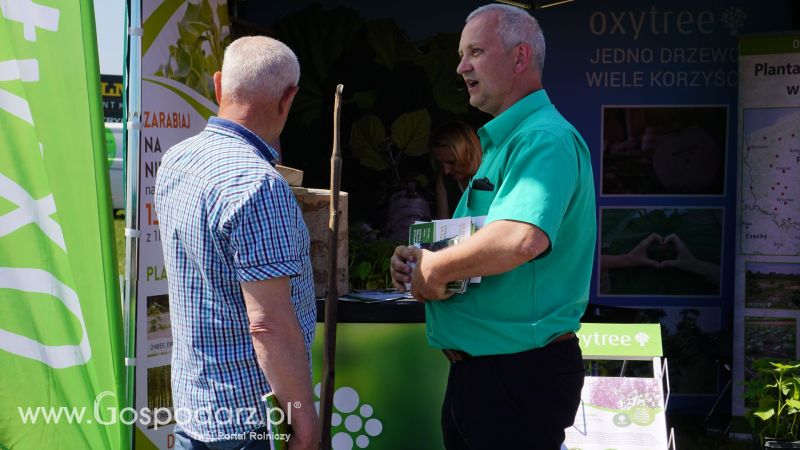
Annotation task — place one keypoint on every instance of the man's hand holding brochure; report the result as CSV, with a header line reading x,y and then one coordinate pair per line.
x,y
439,234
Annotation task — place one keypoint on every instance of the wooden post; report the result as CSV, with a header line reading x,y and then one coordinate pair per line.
x,y
332,300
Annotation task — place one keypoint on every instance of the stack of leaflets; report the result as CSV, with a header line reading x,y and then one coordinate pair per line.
x,y
439,234
375,296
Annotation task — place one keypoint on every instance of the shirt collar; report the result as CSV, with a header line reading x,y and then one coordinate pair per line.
x,y
498,129
233,129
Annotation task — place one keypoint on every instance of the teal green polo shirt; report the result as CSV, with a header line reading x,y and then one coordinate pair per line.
x,y
541,171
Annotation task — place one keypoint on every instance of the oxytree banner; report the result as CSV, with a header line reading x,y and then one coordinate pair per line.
x,y
60,339
182,47
652,87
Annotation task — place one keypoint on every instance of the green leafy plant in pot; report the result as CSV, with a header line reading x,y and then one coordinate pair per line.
x,y
369,261
773,393
380,151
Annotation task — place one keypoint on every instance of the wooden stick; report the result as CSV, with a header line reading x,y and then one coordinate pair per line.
x,y
332,300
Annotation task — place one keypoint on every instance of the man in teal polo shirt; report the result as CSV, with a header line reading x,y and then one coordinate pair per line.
x,y
516,368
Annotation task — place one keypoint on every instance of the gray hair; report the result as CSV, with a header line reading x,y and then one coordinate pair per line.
x,y
257,66
516,27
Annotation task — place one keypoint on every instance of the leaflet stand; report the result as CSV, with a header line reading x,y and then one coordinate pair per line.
x,y
625,413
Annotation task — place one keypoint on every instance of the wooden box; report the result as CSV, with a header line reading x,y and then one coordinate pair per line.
x,y
315,204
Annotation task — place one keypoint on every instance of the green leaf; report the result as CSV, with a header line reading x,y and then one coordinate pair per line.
x,y
366,100
188,62
363,270
766,402
764,414
391,46
222,14
206,13
331,34
366,136
192,25
320,39
157,21
793,403
183,58
375,281
410,132
781,368
450,95
439,60
307,104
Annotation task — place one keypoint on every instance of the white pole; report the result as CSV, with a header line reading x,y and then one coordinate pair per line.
x,y
132,200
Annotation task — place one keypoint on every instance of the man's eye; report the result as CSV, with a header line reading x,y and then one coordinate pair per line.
x,y
476,51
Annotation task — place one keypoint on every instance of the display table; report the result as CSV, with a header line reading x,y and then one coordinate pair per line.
x,y
401,311
389,382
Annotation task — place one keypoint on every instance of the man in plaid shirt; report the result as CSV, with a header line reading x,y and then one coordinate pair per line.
x,y
236,251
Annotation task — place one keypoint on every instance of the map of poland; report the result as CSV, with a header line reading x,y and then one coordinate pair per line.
x,y
771,182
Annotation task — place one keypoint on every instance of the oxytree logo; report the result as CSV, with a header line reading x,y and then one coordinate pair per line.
x,y
357,418
733,19
642,338
621,420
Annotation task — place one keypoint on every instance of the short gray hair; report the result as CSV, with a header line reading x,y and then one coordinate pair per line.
x,y
257,66
516,27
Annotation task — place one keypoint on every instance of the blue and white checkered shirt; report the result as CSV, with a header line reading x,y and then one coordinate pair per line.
x,y
226,216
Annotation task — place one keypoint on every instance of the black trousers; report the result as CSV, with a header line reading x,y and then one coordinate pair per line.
x,y
517,401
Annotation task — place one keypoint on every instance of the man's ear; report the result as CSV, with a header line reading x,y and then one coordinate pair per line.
x,y
522,58
218,86
286,101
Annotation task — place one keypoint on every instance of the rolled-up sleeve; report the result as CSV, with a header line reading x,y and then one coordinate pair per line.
x,y
538,183
264,240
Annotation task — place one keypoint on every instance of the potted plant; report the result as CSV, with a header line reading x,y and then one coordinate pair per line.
x,y
369,259
773,393
384,152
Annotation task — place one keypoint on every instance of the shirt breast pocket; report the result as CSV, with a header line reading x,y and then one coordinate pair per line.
x,y
479,201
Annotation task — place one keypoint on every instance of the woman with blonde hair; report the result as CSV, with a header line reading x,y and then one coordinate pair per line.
x,y
456,153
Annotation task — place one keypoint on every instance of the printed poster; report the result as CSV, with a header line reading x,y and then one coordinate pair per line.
x,y
767,282
182,47
621,413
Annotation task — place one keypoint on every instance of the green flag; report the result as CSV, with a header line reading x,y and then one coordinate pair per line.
x,y
60,324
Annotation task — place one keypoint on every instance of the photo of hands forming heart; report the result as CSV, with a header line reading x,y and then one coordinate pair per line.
x,y
669,251
660,251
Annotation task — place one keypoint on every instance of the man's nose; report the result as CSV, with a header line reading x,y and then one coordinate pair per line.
x,y
463,66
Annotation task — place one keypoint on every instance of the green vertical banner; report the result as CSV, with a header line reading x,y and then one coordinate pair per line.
x,y
60,323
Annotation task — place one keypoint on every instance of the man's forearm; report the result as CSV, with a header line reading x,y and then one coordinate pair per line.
x,y
282,357
281,354
497,248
